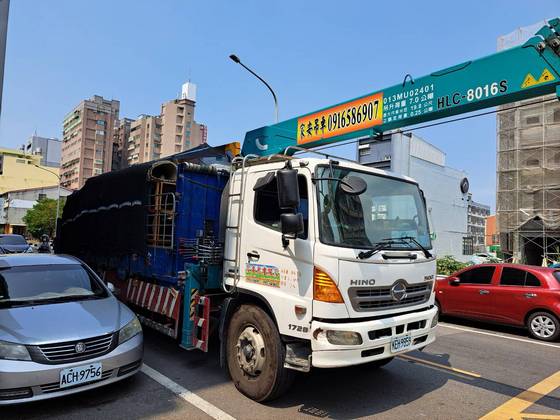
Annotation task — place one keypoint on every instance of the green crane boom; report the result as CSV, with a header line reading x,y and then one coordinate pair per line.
x,y
526,71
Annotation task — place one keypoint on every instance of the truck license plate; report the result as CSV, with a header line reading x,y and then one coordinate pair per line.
x,y
80,374
401,343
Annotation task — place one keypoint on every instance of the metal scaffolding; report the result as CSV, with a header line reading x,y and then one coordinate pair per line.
x,y
528,180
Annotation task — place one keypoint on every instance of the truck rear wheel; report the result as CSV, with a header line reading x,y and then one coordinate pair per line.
x,y
255,355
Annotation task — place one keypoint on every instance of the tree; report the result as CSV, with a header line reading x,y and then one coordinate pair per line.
x,y
447,265
41,218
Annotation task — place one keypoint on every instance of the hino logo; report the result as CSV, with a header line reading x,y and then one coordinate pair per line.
x,y
365,282
398,291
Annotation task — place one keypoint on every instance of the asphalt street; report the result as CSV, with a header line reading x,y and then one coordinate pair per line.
x,y
471,371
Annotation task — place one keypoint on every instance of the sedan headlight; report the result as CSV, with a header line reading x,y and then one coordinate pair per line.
x,y
130,330
11,351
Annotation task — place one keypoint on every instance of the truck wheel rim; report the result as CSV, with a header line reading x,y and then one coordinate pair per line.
x,y
251,351
543,326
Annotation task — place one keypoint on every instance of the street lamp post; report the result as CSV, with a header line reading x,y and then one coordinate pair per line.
x,y
236,59
57,196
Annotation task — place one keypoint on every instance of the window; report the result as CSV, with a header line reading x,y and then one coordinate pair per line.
x,y
42,196
49,283
267,212
365,152
517,277
468,245
480,275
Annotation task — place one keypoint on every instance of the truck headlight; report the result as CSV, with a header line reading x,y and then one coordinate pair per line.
x,y
11,351
129,330
344,338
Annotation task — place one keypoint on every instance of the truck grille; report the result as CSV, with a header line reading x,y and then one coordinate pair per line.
x,y
66,352
380,298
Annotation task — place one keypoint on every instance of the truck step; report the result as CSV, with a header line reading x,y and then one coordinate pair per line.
x,y
201,322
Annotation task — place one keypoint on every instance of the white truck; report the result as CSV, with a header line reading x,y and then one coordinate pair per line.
x,y
299,262
330,265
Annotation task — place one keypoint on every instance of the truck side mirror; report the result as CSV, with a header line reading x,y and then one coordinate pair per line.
x,y
288,188
291,226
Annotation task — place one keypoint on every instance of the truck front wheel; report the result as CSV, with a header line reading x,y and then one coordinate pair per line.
x,y
255,355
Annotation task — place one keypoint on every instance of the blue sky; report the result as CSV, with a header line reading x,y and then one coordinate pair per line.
x,y
314,53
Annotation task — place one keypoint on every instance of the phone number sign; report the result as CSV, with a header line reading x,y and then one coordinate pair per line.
x,y
341,119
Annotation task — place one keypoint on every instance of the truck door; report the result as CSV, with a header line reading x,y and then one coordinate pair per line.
x,y
281,274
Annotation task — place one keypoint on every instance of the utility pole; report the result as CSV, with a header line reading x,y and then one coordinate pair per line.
x,y
4,8
57,196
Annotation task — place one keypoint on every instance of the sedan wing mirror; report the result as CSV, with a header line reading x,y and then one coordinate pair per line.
x,y
454,281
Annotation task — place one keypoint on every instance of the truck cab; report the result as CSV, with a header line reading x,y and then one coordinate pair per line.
x,y
351,281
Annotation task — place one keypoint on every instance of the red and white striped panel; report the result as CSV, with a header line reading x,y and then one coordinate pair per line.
x,y
201,324
159,299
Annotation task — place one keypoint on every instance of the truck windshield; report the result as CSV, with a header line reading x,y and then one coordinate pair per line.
x,y
388,208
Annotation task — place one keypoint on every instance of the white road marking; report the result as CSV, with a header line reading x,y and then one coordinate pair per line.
x,y
186,395
507,337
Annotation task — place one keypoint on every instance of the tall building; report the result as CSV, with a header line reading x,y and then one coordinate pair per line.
x,y
48,148
177,117
145,140
443,186
476,223
528,173
199,134
121,133
87,140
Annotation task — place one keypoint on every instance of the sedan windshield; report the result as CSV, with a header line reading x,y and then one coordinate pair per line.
x,y
12,240
31,285
388,209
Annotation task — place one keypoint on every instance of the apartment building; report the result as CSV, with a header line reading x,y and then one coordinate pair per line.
x,y
87,140
145,140
121,133
199,134
177,117
477,214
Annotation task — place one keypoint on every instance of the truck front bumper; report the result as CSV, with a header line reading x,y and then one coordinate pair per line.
x,y
376,338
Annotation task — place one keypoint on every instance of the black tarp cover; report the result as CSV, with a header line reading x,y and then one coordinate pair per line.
x,y
107,216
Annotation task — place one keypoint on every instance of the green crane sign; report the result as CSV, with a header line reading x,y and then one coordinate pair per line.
x,y
522,72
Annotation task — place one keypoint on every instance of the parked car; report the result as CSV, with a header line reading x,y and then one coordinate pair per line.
x,y
484,257
61,329
513,294
13,244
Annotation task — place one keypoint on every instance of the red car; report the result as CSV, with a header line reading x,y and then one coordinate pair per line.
x,y
513,294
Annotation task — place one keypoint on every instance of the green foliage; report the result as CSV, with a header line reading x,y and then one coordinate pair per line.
x,y
41,218
448,265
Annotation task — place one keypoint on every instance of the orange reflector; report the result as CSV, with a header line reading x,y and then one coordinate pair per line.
x,y
324,288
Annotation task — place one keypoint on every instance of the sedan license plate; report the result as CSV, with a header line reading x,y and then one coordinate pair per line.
x,y
80,374
401,343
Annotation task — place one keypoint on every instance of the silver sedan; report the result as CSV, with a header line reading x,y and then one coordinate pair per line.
x,y
61,329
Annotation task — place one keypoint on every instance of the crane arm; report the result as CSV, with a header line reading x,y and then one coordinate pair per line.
x,y
523,72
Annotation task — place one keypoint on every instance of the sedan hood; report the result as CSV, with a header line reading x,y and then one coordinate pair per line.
x,y
61,322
